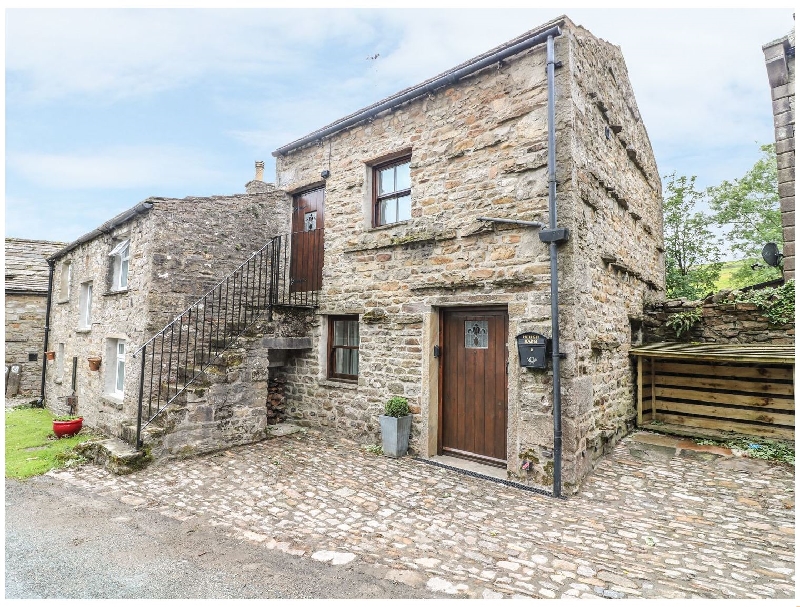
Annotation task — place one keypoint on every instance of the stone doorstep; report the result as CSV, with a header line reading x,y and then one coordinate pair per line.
x,y
283,429
114,455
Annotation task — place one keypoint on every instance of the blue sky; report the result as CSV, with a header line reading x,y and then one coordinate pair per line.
x,y
107,107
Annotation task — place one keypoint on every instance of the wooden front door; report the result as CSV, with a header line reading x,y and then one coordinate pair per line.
x,y
308,223
474,384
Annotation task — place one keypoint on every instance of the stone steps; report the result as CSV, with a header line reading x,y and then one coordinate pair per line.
x,y
114,455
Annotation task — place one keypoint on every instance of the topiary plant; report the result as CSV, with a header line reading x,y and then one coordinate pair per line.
x,y
397,406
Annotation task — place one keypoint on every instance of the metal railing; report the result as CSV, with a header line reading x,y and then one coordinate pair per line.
x,y
287,271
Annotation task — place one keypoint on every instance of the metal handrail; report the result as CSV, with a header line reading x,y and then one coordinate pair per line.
x,y
286,271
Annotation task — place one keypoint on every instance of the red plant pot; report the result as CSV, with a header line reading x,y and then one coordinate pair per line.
x,y
67,428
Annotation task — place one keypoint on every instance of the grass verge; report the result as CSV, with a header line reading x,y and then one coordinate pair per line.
x,y
31,447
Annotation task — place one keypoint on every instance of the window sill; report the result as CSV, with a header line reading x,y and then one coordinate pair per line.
x,y
339,383
387,226
113,400
115,292
83,330
63,301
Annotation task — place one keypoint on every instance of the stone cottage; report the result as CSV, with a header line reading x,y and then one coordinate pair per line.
x,y
26,303
779,57
421,296
119,284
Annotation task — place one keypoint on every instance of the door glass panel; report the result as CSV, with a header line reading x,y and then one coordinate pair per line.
x,y
476,334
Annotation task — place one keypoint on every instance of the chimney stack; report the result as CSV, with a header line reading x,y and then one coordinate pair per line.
x,y
259,170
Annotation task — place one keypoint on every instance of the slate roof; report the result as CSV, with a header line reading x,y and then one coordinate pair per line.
x,y
26,266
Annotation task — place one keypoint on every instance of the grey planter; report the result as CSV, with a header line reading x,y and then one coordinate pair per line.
x,y
394,433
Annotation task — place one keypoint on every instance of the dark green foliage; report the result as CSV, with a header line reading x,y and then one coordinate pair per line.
x,y
397,407
776,303
692,253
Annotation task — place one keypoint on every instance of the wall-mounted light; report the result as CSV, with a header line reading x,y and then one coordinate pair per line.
x,y
325,174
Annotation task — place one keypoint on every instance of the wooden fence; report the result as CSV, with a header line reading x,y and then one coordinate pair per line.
x,y
746,389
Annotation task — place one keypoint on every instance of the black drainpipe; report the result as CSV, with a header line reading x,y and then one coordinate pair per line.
x,y
52,264
554,236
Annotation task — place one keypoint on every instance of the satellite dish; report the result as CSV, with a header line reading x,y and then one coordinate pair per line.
x,y
771,254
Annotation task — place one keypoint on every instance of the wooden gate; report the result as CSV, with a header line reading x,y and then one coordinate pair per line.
x,y
474,384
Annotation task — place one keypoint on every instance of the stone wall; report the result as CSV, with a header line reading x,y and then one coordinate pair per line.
x,y
479,148
779,56
25,338
179,249
722,321
26,280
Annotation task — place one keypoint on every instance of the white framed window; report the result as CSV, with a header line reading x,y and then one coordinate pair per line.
x,y
66,280
119,374
115,370
120,256
85,306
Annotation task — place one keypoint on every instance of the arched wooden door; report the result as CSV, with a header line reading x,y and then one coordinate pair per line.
x,y
473,418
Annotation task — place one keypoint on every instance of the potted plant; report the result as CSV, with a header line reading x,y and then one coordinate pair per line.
x,y
395,426
67,425
94,363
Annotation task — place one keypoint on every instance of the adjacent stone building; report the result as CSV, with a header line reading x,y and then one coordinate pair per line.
x,y
26,302
779,56
116,286
421,298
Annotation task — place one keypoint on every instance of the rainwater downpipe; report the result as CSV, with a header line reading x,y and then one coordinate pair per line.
x,y
52,264
551,178
554,236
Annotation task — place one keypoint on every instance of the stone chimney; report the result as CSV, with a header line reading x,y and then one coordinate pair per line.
x,y
257,186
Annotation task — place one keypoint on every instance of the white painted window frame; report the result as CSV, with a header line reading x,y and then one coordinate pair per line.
x,y
85,311
121,255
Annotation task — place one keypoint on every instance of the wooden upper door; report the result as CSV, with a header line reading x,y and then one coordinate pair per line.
x,y
474,384
308,223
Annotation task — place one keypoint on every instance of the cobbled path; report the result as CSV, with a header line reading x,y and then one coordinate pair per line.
x,y
653,521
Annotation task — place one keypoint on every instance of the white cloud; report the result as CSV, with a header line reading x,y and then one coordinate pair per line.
x,y
118,168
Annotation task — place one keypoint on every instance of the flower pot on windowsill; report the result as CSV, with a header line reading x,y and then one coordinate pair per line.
x,y
67,426
395,427
94,363
50,355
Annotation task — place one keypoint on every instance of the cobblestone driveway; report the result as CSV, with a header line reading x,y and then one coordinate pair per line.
x,y
654,520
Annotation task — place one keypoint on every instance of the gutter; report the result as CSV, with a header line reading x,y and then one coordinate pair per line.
x,y
125,216
447,78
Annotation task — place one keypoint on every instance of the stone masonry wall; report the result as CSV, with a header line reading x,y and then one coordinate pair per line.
x,y
616,217
479,148
179,249
115,315
723,321
25,336
26,280
779,56
197,241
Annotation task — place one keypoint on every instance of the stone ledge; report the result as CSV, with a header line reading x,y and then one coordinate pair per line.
x,y
287,343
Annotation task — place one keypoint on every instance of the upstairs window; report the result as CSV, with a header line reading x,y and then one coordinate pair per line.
x,y
343,347
120,255
66,279
85,306
392,191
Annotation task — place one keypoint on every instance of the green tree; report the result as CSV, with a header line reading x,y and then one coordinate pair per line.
x,y
749,209
692,253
